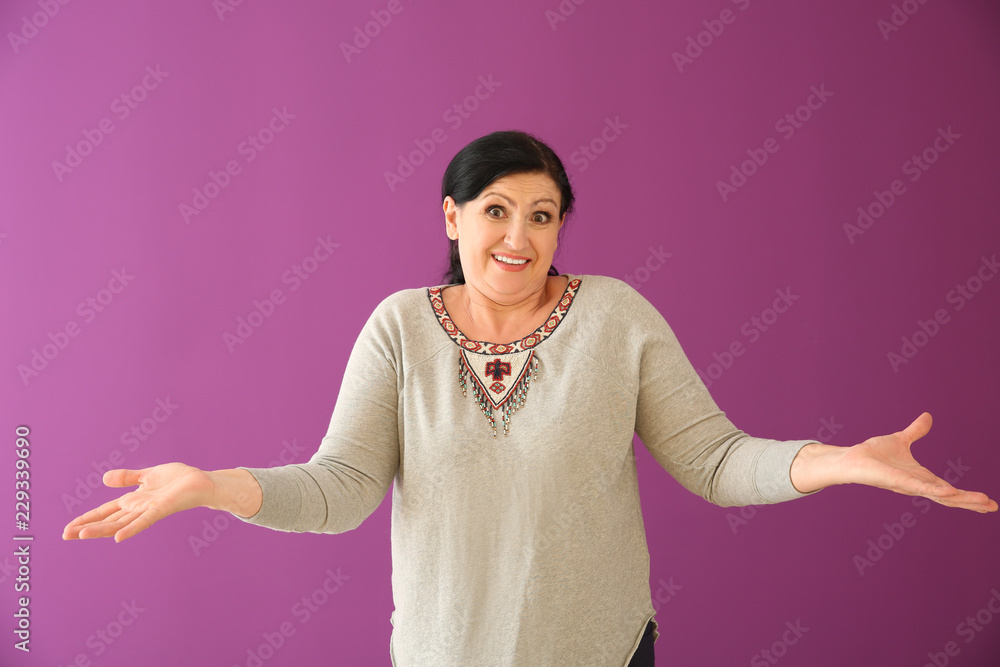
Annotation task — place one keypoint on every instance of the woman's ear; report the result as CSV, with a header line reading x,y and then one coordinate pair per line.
x,y
450,213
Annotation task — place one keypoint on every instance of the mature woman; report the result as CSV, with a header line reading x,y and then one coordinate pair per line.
x,y
503,404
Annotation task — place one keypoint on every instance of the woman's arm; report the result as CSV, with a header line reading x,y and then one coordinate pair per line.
x,y
358,458
885,462
164,490
683,428
817,466
235,491
341,485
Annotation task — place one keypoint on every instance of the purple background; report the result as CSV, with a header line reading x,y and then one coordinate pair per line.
x,y
726,581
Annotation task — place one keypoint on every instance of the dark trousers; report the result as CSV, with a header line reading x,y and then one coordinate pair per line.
x,y
644,655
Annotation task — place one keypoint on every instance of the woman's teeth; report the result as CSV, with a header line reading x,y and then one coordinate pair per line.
x,y
508,260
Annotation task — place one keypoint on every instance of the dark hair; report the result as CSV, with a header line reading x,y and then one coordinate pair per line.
x,y
491,157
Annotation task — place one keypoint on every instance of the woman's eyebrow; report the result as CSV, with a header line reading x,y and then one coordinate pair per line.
x,y
537,201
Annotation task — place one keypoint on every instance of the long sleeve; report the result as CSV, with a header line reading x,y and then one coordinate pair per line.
x,y
547,504
349,475
682,427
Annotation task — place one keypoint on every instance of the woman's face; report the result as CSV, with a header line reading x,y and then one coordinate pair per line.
x,y
507,235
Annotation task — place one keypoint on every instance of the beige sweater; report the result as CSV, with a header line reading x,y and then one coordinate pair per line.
x,y
524,547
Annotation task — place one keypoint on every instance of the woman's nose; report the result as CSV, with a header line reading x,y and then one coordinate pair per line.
x,y
516,234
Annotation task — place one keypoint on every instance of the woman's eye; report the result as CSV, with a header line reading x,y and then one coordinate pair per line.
x,y
497,211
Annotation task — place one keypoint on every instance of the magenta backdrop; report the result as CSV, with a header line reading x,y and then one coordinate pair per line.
x,y
167,167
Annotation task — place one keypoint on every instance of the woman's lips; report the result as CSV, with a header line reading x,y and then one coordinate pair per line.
x,y
510,267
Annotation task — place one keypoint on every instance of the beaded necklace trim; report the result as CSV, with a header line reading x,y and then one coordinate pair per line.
x,y
500,373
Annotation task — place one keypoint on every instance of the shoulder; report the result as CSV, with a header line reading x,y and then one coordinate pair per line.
x,y
613,297
402,327
405,306
616,327
605,285
404,300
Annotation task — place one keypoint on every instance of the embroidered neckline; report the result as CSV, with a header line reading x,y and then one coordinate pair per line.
x,y
510,398
517,359
485,347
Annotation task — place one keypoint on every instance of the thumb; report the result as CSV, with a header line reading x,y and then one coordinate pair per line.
x,y
121,477
919,427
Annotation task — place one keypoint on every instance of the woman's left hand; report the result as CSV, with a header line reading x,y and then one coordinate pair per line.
x,y
885,462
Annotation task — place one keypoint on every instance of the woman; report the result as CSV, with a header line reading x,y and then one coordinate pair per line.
x,y
503,404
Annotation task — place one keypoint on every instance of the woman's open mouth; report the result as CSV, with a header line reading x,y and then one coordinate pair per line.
x,y
509,263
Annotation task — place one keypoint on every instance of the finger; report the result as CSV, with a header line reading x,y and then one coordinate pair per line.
x,y
122,477
103,528
919,427
97,514
974,505
138,512
125,524
972,500
137,525
928,488
942,492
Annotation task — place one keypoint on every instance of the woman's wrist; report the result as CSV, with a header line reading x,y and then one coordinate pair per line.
x,y
235,491
817,466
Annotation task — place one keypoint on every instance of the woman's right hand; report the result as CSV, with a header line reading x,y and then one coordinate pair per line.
x,y
163,490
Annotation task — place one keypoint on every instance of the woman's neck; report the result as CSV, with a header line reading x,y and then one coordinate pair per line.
x,y
484,318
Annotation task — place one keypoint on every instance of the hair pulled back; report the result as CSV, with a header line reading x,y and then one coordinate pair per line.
x,y
488,158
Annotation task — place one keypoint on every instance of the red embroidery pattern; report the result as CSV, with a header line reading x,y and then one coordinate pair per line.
x,y
480,371
507,405
498,369
526,343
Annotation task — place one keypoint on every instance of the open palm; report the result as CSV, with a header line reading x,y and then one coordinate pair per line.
x,y
885,462
163,490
